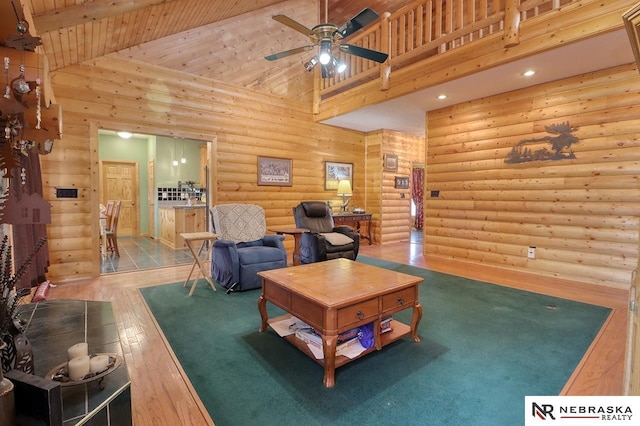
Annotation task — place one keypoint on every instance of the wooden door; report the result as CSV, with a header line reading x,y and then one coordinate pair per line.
x,y
632,362
151,199
120,182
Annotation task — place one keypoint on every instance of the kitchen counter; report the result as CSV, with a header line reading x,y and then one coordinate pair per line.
x,y
195,206
180,219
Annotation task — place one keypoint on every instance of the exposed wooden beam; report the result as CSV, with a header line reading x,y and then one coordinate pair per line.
x,y
87,12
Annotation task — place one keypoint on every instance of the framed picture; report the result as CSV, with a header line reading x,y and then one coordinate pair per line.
x,y
274,171
402,182
390,163
334,172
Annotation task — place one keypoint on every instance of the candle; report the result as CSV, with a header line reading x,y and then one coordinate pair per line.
x,y
79,349
78,367
99,363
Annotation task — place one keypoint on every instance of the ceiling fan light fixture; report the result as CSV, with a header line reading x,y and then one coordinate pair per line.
x,y
340,65
325,52
311,63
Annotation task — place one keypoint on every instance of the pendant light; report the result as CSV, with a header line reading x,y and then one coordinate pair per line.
x,y
174,162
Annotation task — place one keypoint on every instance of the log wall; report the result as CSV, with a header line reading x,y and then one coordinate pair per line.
x,y
581,214
391,207
117,93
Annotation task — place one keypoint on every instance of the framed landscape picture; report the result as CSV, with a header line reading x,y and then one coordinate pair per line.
x,y
274,171
334,172
390,163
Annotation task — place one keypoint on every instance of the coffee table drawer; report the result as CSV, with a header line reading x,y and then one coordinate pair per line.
x,y
399,299
357,313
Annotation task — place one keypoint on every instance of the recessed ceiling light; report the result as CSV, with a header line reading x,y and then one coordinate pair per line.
x,y
124,135
528,73
442,96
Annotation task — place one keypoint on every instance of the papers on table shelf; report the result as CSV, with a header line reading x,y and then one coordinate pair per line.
x,y
288,326
351,348
293,325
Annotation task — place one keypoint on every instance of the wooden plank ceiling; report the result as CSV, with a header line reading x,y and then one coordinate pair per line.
x,y
220,39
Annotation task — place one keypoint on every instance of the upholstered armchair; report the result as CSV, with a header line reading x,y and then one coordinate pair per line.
x,y
242,249
323,241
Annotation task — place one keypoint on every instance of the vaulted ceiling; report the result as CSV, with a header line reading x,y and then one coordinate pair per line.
x,y
221,39
227,40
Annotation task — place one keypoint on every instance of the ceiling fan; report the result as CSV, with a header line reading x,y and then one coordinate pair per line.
x,y
329,36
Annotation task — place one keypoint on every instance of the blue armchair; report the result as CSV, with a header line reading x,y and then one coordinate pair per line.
x,y
242,248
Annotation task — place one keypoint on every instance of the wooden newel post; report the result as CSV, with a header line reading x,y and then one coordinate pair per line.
x,y
511,23
385,37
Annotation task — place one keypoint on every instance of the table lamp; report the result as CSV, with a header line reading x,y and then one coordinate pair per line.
x,y
344,190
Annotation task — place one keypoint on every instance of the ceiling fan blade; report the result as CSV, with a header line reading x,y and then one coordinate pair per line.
x,y
362,19
292,24
363,52
286,53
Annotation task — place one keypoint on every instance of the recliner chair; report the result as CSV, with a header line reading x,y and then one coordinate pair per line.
x,y
323,241
242,248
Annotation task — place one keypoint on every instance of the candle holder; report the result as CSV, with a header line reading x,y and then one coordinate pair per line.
x,y
60,373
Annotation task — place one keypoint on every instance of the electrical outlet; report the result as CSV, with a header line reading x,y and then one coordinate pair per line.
x,y
531,254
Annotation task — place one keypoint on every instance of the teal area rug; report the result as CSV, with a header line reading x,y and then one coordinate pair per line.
x,y
484,347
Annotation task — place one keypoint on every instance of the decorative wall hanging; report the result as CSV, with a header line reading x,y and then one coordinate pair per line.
x,y
335,172
274,171
401,182
547,147
390,163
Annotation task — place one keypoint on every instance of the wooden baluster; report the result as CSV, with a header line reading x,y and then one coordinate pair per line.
x,y
511,24
385,39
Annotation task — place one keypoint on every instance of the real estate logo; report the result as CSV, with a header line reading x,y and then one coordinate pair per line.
x,y
582,410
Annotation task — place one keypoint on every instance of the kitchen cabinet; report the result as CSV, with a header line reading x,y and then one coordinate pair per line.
x,y
180,219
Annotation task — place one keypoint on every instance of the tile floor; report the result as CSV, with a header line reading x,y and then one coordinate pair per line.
x,y
137,253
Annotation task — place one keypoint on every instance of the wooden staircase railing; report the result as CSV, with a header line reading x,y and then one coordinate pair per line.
x,y
423,29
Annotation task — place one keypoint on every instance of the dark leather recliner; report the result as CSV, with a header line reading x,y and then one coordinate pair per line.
x,y
323,241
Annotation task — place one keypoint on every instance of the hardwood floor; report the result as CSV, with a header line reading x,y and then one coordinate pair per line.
x,y
162,396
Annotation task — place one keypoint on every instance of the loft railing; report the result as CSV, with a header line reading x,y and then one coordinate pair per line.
x,y
423,29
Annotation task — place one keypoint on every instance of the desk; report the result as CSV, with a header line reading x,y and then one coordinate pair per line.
x,y
189,239
356,218
297,236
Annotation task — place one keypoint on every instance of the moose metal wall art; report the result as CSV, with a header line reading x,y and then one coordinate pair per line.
x,y
547,147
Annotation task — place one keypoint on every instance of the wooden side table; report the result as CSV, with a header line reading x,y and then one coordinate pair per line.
x,y
297,236
355,218
190,238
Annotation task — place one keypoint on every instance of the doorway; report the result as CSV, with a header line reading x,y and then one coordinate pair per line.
x,y
120,182
141,170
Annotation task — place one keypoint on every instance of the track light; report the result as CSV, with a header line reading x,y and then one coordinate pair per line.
x,y
325,52
312,63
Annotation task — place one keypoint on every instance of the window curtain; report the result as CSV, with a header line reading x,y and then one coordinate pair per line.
x,y
417,190
25,237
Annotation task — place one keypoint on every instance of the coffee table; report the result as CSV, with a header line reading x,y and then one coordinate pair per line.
x,y
336,296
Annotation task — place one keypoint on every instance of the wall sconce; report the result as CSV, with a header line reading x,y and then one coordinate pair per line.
x,y
344,190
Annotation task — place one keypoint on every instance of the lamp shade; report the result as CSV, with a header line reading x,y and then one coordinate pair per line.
x,y
344,187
